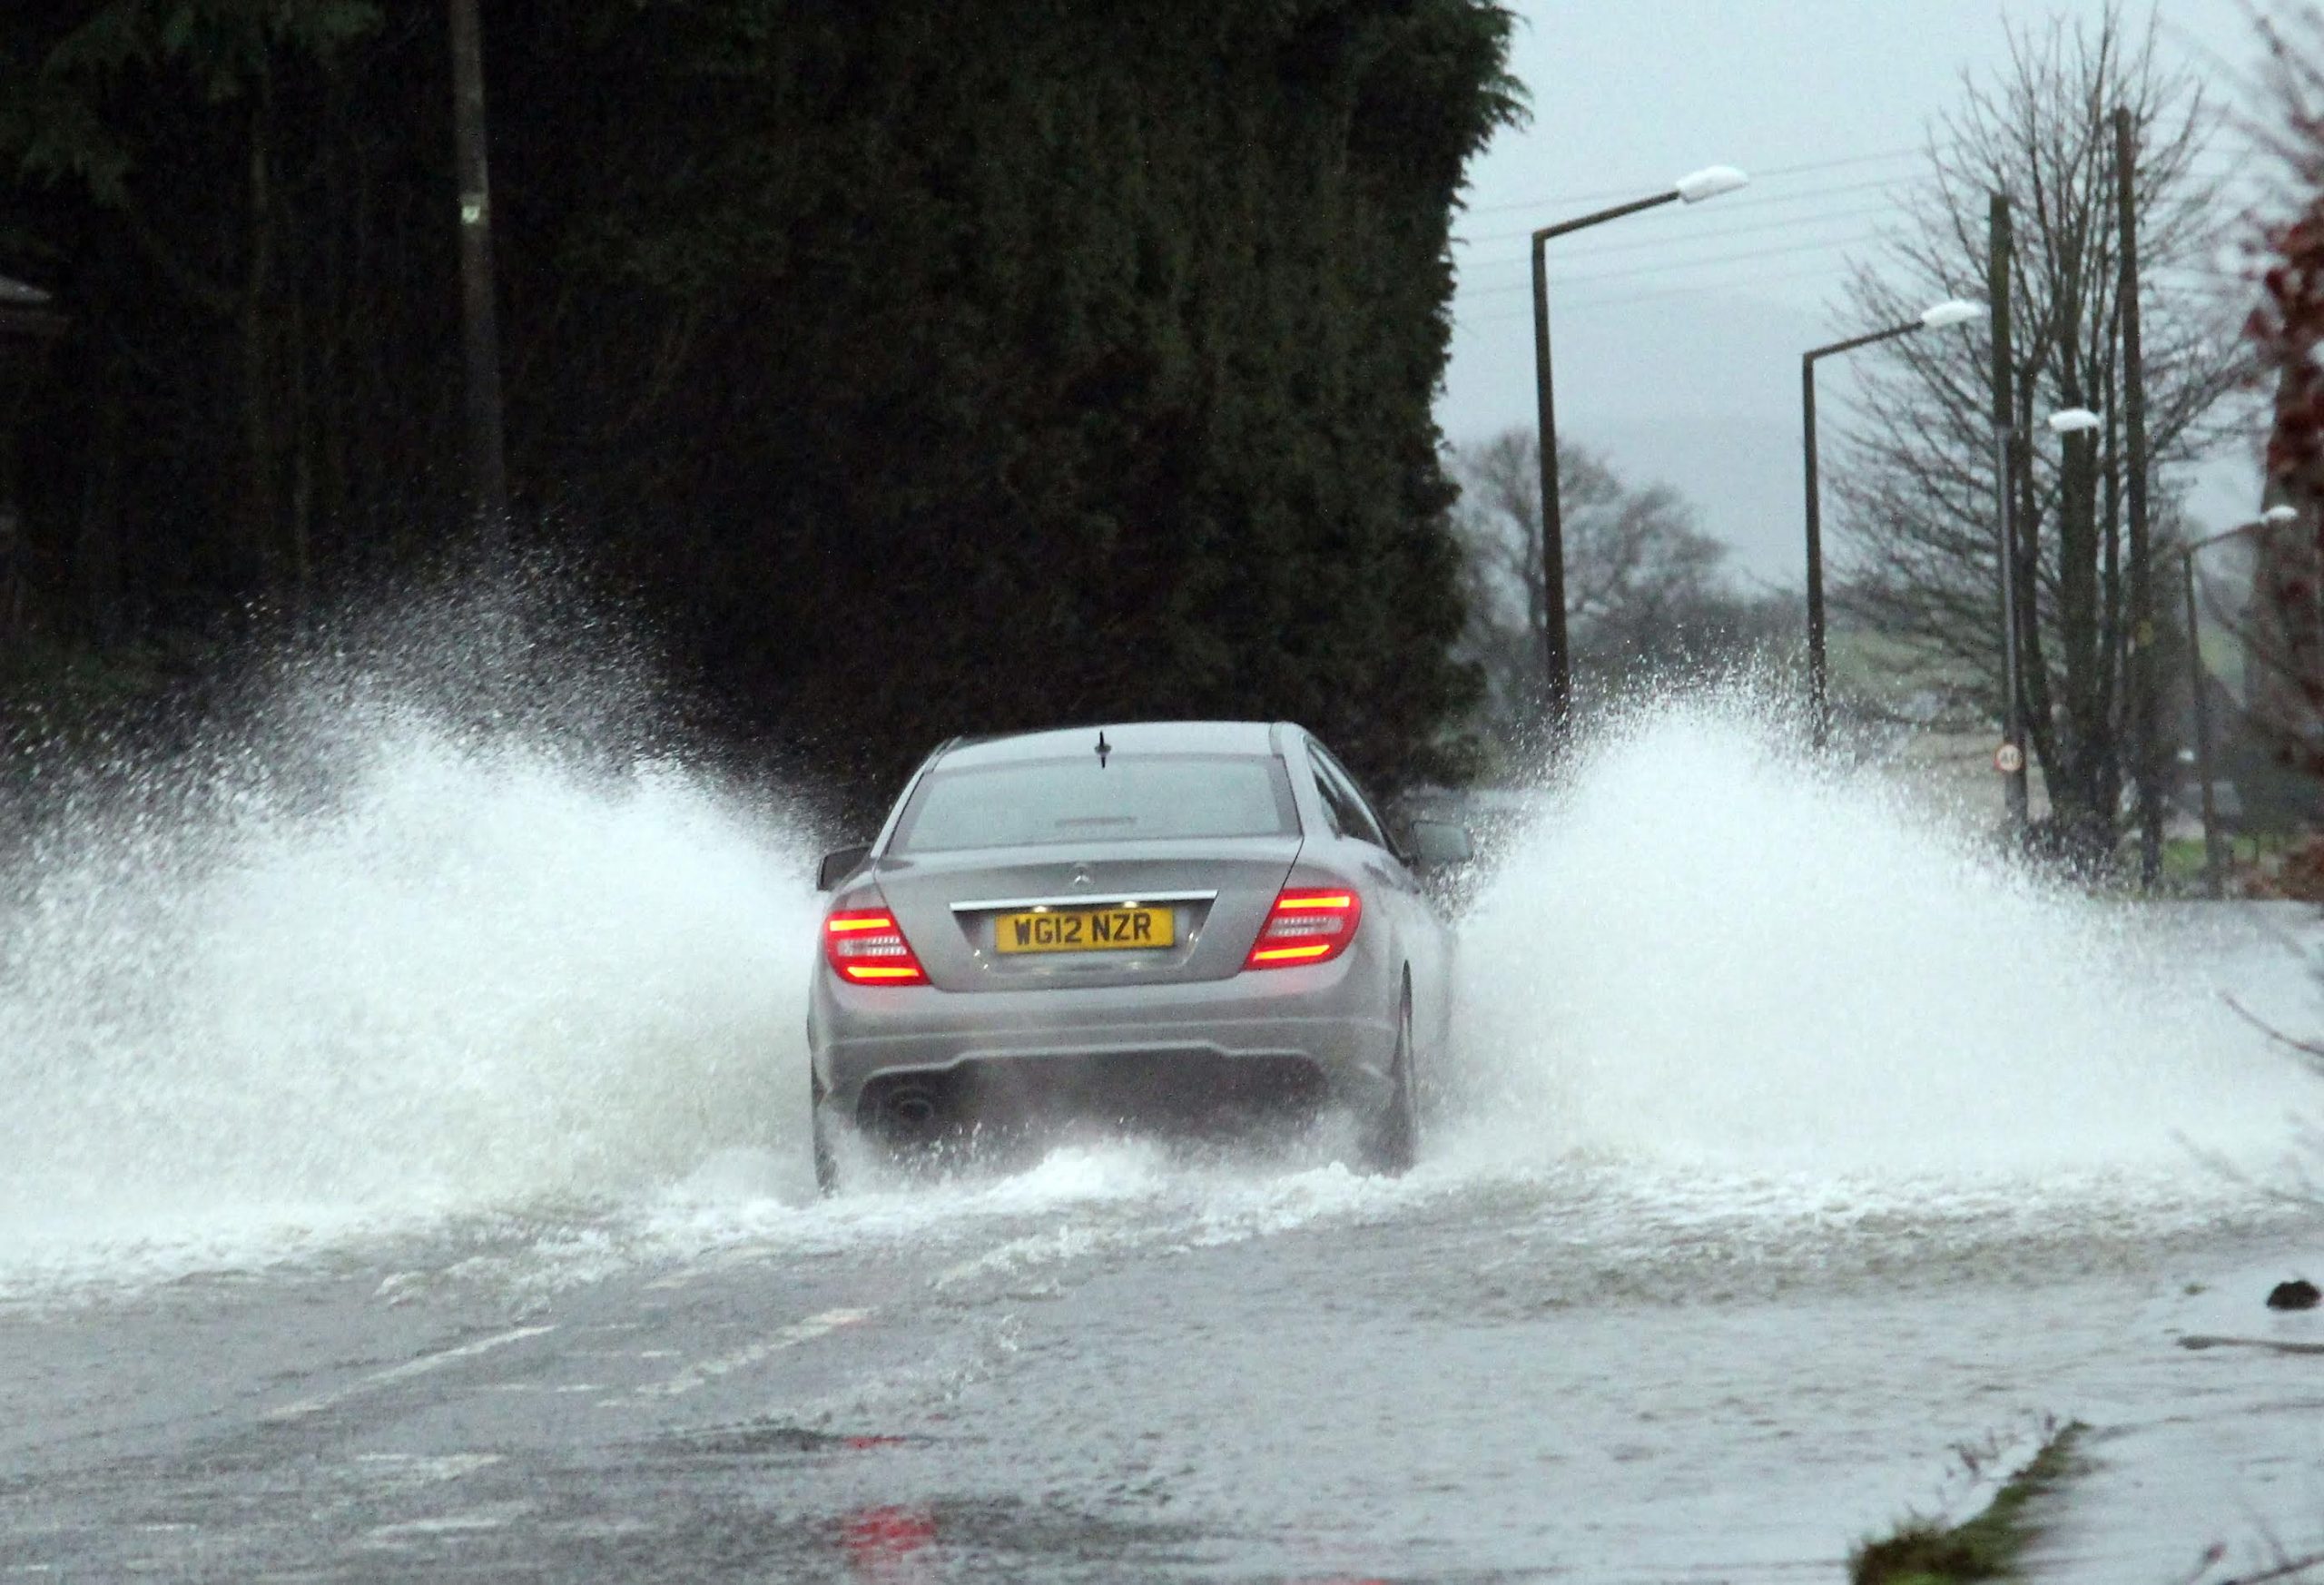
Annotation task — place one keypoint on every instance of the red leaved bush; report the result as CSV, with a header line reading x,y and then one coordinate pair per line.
x,y
2288,326
2285,633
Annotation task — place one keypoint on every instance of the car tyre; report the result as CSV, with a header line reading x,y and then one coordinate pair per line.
x,y
826,1158
1393,1142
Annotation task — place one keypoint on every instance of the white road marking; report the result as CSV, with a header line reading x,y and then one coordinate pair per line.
x,y
492,1516
791,1336
414,1367
426,1469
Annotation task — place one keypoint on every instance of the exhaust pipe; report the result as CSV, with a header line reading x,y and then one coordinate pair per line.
x,y
912,1107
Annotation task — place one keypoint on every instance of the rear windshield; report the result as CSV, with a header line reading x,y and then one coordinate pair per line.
x,y
1145,798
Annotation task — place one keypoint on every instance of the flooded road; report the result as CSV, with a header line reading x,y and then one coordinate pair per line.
x,y
1116,1368
414,1184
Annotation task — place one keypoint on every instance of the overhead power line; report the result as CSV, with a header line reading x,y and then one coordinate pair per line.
x,y
1677,242
1728,285
1805,195
1805,229
1752,201
1725,284
1769,173
1626,300
1692,233
1725,206
2229,162
1666,244
1830,244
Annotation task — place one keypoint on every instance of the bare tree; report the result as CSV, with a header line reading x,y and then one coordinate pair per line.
x,y
1498,525
1919,554
1648,593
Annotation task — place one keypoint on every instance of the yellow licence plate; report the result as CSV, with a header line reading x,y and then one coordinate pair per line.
x,y
1090,930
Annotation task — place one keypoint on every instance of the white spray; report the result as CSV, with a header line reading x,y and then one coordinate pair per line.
x,y
371,963
1715,954
379,965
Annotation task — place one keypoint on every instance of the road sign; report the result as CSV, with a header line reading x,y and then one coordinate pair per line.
x,y
2009,759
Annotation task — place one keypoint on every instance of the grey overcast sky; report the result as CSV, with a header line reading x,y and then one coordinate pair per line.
x,y
1678,332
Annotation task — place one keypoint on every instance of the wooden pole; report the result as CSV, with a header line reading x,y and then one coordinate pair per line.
x,y
2145,755
488,465
1997,257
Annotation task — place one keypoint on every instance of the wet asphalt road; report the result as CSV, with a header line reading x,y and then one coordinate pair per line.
x,y
1322,1379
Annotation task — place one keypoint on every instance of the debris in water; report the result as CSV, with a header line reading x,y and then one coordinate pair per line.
x,y
2298,1294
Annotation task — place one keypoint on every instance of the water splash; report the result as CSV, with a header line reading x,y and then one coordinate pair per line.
x,y
442,930
1714,953
429,930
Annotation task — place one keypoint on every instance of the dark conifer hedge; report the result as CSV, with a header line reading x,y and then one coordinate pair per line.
x,y
928,367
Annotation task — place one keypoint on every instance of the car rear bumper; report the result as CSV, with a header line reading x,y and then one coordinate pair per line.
x,y
1294,1031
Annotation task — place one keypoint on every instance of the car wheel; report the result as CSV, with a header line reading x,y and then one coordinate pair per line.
x,y
1393,1142
826,1158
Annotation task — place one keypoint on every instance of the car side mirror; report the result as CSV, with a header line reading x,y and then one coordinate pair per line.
x,y
837,867
1438,844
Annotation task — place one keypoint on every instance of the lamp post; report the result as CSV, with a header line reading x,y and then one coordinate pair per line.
x,y
1936,317
1558,674
2273,518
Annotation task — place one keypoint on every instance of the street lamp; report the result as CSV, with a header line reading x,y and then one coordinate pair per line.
x,y
1936,317
2273,518
1692,188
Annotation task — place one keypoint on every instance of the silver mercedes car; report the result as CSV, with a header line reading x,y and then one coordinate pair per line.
x,y
1142,924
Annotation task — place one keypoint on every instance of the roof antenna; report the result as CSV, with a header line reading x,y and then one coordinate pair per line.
x,y
1104,748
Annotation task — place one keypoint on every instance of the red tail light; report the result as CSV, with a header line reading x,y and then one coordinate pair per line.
x,y
866,946
1307,924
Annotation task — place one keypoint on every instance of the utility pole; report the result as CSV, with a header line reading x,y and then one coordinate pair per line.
x,y
1557,675
2142,693
488,465
2012,759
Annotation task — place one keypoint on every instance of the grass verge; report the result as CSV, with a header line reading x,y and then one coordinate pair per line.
x,y
1986,1547
2183,857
